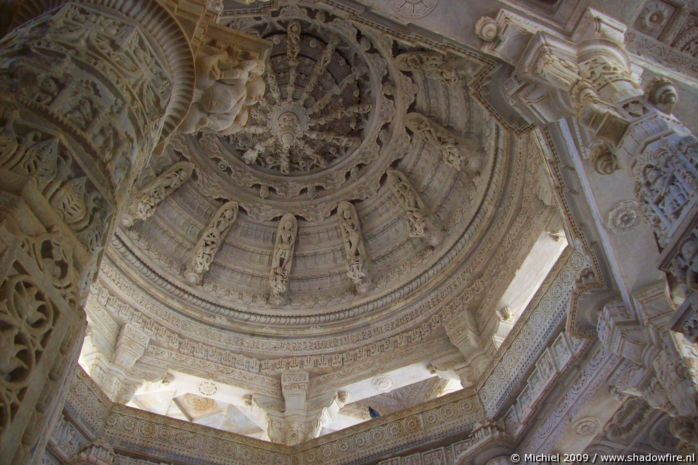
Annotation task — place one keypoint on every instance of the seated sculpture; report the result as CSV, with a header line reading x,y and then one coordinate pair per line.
x,y
228,83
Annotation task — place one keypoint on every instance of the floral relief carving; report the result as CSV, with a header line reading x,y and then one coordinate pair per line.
x,y
413,9
687,39
624,216
26,324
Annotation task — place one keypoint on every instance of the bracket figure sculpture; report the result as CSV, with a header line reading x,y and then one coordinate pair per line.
x,y
436,64
210,241
354,247
149,197
229,82
282,258
454,150
418,215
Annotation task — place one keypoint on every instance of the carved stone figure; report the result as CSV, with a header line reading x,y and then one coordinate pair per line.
x,y
282,258
432,63
453,151
354,248
418,216
210,241
149,197
231,81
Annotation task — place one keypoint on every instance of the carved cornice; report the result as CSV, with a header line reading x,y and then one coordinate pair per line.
x,y
160,439
534,328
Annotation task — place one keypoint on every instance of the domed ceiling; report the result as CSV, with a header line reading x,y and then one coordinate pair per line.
x,y
331,129
359,208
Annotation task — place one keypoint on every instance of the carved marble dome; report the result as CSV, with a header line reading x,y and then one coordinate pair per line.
x,y
396,192
255,224
334,110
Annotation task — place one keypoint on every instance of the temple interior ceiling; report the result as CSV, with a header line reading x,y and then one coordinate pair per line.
x,y
366,232
369,202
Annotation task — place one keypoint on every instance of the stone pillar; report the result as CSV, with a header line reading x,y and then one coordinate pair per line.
x,y
589,75
87,89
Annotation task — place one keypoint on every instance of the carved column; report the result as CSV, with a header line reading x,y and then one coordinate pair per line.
x,y
463,333
114,374
650,366
86,92
299,417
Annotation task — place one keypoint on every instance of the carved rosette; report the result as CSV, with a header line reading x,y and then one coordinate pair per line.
x,y
418,215
149,197
282,259
210,241
304,129
354,249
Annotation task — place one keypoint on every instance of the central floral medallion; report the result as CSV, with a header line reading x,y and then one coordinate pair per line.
x,y
317,103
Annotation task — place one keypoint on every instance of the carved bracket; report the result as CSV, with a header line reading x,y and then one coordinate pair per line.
x,y
282,258
452,147
354,249
418,215
210,241
149,197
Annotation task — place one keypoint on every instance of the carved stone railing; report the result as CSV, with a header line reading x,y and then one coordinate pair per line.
x,y
154,438
382,437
